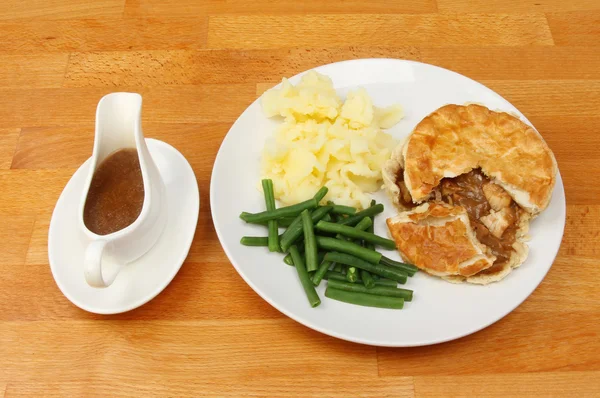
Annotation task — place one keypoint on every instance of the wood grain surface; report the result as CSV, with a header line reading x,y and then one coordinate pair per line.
x,y
199,64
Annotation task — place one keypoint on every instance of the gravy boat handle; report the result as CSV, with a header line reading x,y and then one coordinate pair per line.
x,y
93,265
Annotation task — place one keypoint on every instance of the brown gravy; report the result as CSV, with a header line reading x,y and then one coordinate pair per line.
x,y
116,194
404,198
466,190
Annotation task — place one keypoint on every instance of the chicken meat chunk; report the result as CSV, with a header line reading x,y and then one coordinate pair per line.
x,y
497,221
496,196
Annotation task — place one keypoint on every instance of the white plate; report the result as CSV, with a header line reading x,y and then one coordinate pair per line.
x,y
440,311
144,278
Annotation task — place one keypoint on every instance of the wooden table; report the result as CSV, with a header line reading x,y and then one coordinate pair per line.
x,y
199,64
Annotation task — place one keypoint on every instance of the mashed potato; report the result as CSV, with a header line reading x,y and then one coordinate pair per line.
x,y
324,141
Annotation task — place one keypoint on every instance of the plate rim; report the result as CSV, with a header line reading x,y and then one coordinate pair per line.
x,y
367,341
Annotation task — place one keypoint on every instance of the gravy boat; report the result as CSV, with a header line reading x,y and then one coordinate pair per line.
x,y
118,126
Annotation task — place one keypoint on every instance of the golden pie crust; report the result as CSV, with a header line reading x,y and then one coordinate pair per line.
x,y
456,139
438,239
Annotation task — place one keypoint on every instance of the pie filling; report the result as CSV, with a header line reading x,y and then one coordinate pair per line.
x,y
493,214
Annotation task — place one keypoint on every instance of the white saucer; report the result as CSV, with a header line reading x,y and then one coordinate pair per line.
x,y
145,278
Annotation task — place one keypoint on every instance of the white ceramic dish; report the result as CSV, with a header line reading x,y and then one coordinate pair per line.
x,y
143,279
440,311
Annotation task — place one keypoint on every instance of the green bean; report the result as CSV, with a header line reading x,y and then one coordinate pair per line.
x,y
350,248
293,210
352,275
361,226
345,210
354,233
285,221
321,194
367,300
385,282
273,242
321,257
366,224
338,276
367,279
288,258
254,241
281,222
341,210
406,294
371,229
408,268
294,231
368,212
328,217
309,288
310,244
323,268
379,269
338,268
